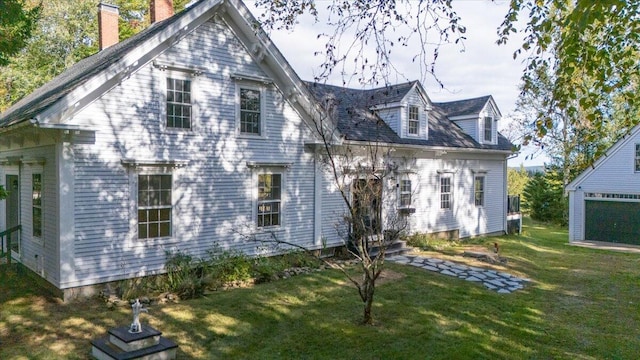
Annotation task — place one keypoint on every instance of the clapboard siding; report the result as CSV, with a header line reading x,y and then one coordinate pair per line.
x,y
413,98
333,210
613,174
40,255
213,194
464,216
392,117
470,127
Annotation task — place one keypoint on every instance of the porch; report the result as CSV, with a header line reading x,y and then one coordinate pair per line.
x,y
9,243
514,216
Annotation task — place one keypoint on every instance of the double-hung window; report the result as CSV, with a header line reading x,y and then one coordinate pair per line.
x,y
179,104
445,191
154,206
250,111
36,204
269,200
637,159
413,124
478,193
488,129
405,193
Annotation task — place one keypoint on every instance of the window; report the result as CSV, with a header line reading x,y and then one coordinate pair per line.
x,y
478,193
36,204
414,120
445,192
154,206
178,103
405,193
488,129
269,199
250,111
637,157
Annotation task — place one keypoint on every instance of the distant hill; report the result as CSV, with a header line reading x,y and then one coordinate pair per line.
x,y
530,169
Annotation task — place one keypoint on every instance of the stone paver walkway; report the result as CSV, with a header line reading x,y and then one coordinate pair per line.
x,y
494,280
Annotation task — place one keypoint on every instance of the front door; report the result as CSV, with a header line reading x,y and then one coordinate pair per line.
x,y
367,199
13,210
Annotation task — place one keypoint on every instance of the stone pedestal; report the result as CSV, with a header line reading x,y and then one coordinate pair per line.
x,y
123,345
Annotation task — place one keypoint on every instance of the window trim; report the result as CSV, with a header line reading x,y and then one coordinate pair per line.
x,y
416,120
482,191
402,191
637,159
178,74
136,203
39,238
441,177
256,173
484,129
247,85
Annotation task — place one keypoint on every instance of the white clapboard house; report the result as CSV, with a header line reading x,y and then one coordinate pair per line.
x,y
196,130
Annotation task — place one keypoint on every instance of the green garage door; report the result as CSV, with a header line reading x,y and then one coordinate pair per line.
x,y
612,221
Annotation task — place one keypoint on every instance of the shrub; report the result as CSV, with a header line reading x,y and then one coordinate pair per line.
x,y
228,266
184,275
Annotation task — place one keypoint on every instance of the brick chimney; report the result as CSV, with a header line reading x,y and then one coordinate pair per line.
x,y
160,10
108,16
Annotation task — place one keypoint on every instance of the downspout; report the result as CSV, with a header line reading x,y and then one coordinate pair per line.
x,y
505,190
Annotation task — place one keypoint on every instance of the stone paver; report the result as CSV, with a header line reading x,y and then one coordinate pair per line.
x,y
500,282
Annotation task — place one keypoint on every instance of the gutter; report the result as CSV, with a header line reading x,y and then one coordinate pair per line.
x,y
24,123
427,147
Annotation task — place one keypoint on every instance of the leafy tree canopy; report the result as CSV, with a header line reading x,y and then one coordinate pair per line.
x,y
592,49
16,24
64,33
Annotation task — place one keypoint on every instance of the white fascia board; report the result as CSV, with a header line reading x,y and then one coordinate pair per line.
x,y
427,148
492,103
573,186
386,106
272,62
475,116
95,87
423,94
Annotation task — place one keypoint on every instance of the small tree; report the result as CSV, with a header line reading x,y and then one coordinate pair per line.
x,y
516,181
545,199
362,175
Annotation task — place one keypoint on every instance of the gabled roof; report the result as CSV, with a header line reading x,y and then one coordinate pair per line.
x,y
93,76
464,107
76,75
573,186
351,109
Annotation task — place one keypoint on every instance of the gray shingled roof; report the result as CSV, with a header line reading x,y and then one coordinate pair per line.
x,y
356,122
48,94
464,107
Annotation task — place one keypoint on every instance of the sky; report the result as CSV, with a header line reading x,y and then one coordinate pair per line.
x,y
481,68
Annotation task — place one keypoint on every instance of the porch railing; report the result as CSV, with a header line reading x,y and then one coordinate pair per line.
x,y
5,242
513,204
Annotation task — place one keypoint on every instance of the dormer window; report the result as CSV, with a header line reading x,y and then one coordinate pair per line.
x,y
488,129
413,124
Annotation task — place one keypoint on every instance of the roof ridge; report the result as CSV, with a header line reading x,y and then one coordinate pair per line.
x,y
460,100
77,74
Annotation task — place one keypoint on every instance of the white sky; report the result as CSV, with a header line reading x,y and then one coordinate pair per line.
x,y
483,68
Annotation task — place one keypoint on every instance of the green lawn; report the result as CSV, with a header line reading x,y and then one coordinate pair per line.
x,y
581,304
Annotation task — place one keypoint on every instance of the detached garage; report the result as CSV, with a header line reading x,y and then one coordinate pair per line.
x,y
604,201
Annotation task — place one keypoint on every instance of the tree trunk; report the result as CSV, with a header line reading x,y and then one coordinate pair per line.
x,y
368,300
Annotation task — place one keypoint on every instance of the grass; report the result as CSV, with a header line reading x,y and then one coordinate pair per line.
x,y
582,304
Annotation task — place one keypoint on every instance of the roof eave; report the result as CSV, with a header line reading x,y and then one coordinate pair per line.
x,y
428,147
